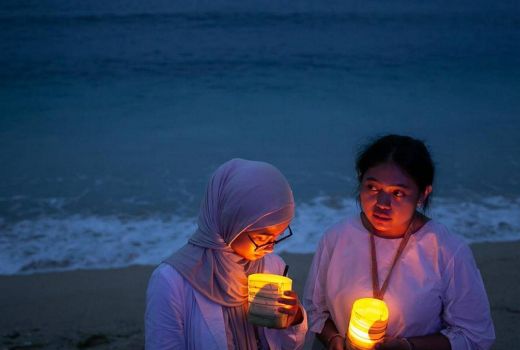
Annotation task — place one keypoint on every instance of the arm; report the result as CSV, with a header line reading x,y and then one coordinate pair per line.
x,y
164,323
330,337
466,315
466,311
430,342
426,342
316,303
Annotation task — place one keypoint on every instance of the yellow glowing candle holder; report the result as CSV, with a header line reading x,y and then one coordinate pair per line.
x,y
264,289
368,323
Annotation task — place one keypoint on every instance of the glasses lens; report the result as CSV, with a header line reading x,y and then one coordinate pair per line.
x,y
286,234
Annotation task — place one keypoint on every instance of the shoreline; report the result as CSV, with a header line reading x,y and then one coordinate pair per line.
x,y
104,308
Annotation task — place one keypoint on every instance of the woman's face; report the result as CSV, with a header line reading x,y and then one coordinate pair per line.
x,y
389,198
243,245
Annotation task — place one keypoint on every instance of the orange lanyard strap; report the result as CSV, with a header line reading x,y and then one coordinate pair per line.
x,y
379,293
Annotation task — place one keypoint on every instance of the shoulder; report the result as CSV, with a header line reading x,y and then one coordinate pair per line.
x,y
168,298
166,280
343,230
442,234
449,246
166,272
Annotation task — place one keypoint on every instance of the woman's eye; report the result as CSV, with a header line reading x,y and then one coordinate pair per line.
x,y
371,187
398,193
262,239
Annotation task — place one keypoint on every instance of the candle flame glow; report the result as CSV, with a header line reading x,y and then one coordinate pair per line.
x,y
368,323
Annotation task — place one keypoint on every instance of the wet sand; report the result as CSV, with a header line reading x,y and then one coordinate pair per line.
x,y
103,309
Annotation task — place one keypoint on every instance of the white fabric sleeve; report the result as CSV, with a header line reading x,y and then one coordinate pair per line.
x,y
290,338
164,327
314,297
466,314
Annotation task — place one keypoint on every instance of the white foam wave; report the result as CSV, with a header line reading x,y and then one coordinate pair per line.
x,y
78,242
492,219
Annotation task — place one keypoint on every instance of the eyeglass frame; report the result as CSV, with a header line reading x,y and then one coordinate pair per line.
x,y
270,243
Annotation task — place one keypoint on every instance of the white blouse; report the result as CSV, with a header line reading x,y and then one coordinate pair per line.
x,y
435,287
179,317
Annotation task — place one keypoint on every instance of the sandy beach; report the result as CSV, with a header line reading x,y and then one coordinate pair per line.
x,y
103,309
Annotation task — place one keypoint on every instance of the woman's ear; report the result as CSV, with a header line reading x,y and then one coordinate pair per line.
x,y
422,198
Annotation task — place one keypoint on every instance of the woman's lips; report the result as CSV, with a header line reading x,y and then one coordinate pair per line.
x,y
381,217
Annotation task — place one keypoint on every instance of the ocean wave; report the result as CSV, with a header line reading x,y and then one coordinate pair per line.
x,y
96,242
80,242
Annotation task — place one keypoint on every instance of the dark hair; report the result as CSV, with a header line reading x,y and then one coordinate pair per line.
x,y
410,154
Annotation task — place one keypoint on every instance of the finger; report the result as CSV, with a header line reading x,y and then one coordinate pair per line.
x,y
288,311
288,301
290,293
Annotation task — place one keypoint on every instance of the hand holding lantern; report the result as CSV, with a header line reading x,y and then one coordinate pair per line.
x,y
268,296
368,323
292,309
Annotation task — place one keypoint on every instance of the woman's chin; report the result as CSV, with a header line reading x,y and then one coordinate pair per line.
x,y
381,225
254,257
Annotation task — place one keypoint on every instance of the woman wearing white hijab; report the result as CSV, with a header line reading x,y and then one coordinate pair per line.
x,y
197,298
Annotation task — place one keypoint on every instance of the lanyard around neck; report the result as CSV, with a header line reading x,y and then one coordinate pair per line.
x,y
379,293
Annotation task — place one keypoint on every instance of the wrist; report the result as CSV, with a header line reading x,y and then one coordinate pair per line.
x,y
298,318
333,337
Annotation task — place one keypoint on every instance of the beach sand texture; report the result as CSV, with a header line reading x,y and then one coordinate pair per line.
x,y
103,309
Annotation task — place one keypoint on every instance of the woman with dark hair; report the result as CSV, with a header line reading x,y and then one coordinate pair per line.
x,y
197,298
393,252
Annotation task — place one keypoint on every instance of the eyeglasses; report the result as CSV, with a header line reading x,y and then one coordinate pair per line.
x,y
285,236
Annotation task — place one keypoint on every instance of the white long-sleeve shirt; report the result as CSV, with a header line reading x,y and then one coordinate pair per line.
x,y
435,287
179,317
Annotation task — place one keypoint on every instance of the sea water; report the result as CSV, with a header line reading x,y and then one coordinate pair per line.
x,y
113,115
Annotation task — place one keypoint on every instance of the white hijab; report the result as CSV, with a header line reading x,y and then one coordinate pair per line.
x,y
241,195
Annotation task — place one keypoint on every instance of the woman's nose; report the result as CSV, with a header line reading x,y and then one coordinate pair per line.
x,y
383,200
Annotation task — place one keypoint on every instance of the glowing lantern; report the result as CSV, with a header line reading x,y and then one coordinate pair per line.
x,y
264,289
368,323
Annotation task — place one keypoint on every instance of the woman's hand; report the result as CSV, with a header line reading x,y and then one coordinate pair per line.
x,y
390,343
291,308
